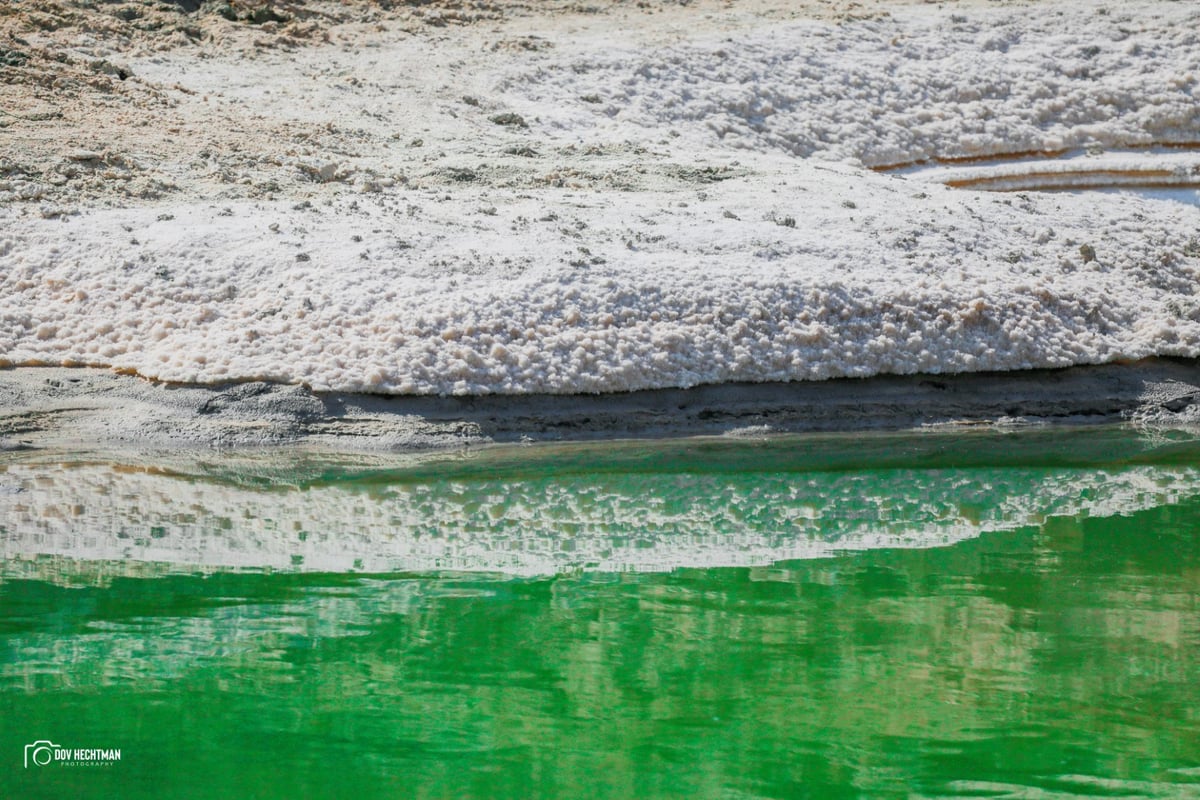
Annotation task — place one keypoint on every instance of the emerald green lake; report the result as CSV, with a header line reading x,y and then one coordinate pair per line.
x,y
877,616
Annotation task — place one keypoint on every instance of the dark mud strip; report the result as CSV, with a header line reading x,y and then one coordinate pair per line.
x,y
57,407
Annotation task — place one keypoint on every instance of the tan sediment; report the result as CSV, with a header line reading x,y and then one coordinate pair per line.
x,y
1089,179
982,159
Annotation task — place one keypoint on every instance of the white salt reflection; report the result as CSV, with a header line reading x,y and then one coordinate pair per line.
x,y
152,520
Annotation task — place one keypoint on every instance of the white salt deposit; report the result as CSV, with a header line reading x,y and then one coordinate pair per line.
x,y
692,212
916,85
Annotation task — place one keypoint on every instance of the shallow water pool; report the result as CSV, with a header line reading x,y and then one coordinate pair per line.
x,y
984,615
1187,196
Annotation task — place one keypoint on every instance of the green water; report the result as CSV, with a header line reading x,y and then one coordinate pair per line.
x,y
951,617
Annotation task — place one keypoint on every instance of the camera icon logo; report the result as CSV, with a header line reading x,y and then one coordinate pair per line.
x,y
40,752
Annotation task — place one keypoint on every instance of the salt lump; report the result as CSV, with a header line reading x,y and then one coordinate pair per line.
x,y
786,268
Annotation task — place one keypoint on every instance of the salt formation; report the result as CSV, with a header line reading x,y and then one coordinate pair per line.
x,y
665,216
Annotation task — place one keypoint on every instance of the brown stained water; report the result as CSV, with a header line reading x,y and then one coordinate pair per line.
x,y
882,616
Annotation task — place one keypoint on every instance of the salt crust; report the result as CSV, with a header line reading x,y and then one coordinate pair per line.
x,y
780,268
918,84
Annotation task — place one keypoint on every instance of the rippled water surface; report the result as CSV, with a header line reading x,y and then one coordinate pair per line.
x,y
891,616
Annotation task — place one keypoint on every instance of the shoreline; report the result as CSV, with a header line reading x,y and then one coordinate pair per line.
x,y
75,408
525,223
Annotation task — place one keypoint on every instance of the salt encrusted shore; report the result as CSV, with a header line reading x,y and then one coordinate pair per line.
x,y
582,216
171,479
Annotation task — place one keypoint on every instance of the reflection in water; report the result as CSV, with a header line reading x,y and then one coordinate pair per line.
x,y
744,504
1054,659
